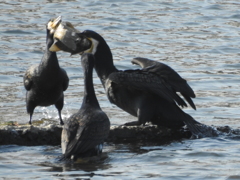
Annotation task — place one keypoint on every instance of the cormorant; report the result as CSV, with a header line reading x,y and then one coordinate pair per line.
x,y
84,132
150,93
46,81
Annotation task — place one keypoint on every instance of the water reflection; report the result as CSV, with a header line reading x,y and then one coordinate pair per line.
x,y
86,165
210,156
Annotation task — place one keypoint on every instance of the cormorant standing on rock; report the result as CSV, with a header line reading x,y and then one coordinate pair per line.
x,y
84,132
149,93
46,82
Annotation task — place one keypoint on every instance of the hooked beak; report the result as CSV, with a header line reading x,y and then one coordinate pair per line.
x,y
53,24
57,21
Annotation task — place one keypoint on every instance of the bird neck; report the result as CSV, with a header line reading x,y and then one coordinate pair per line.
x,y
89,93
49,58
104,62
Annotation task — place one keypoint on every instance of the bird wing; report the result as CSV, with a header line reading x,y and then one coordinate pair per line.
x,y
155,78
87,134
143,62
65,79
170,76
69,132
28,77
146,82
165,72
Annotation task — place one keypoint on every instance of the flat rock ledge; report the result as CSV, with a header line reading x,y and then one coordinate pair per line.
x,y
51,134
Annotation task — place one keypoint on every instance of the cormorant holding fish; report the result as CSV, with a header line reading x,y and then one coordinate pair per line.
x,y
46,82
150,93
84,132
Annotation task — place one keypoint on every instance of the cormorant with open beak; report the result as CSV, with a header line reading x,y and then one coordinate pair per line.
x,y
45,82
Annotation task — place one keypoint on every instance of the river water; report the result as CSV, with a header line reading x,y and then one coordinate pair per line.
x,y
199,39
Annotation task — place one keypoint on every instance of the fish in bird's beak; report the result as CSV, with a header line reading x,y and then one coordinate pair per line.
x,y
76,40
65,36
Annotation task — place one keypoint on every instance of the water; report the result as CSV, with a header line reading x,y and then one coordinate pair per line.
x,y
199,39
206,158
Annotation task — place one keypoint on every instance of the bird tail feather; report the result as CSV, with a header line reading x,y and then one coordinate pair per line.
x,y
198,129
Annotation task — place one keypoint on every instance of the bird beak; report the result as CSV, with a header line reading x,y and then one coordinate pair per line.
x,y
53,24
57,21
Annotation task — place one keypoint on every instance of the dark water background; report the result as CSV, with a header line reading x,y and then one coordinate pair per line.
x,y
199,39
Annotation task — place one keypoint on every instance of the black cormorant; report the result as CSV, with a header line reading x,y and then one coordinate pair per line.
x,y
46,81
84,132
150,93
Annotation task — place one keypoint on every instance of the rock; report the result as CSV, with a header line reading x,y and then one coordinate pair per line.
x,y
145,133
51,134
30,135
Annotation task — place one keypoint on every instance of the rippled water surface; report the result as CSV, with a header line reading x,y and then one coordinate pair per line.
x,y
199,39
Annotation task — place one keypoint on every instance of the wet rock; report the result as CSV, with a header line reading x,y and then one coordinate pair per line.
x,y
30,135
228,130
145,133
51,134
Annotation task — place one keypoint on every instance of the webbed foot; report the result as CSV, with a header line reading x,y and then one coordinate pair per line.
x,y
61,122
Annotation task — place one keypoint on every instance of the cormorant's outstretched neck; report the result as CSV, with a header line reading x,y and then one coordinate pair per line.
x,y
84,132
104,67
89,98
49,59
46,82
